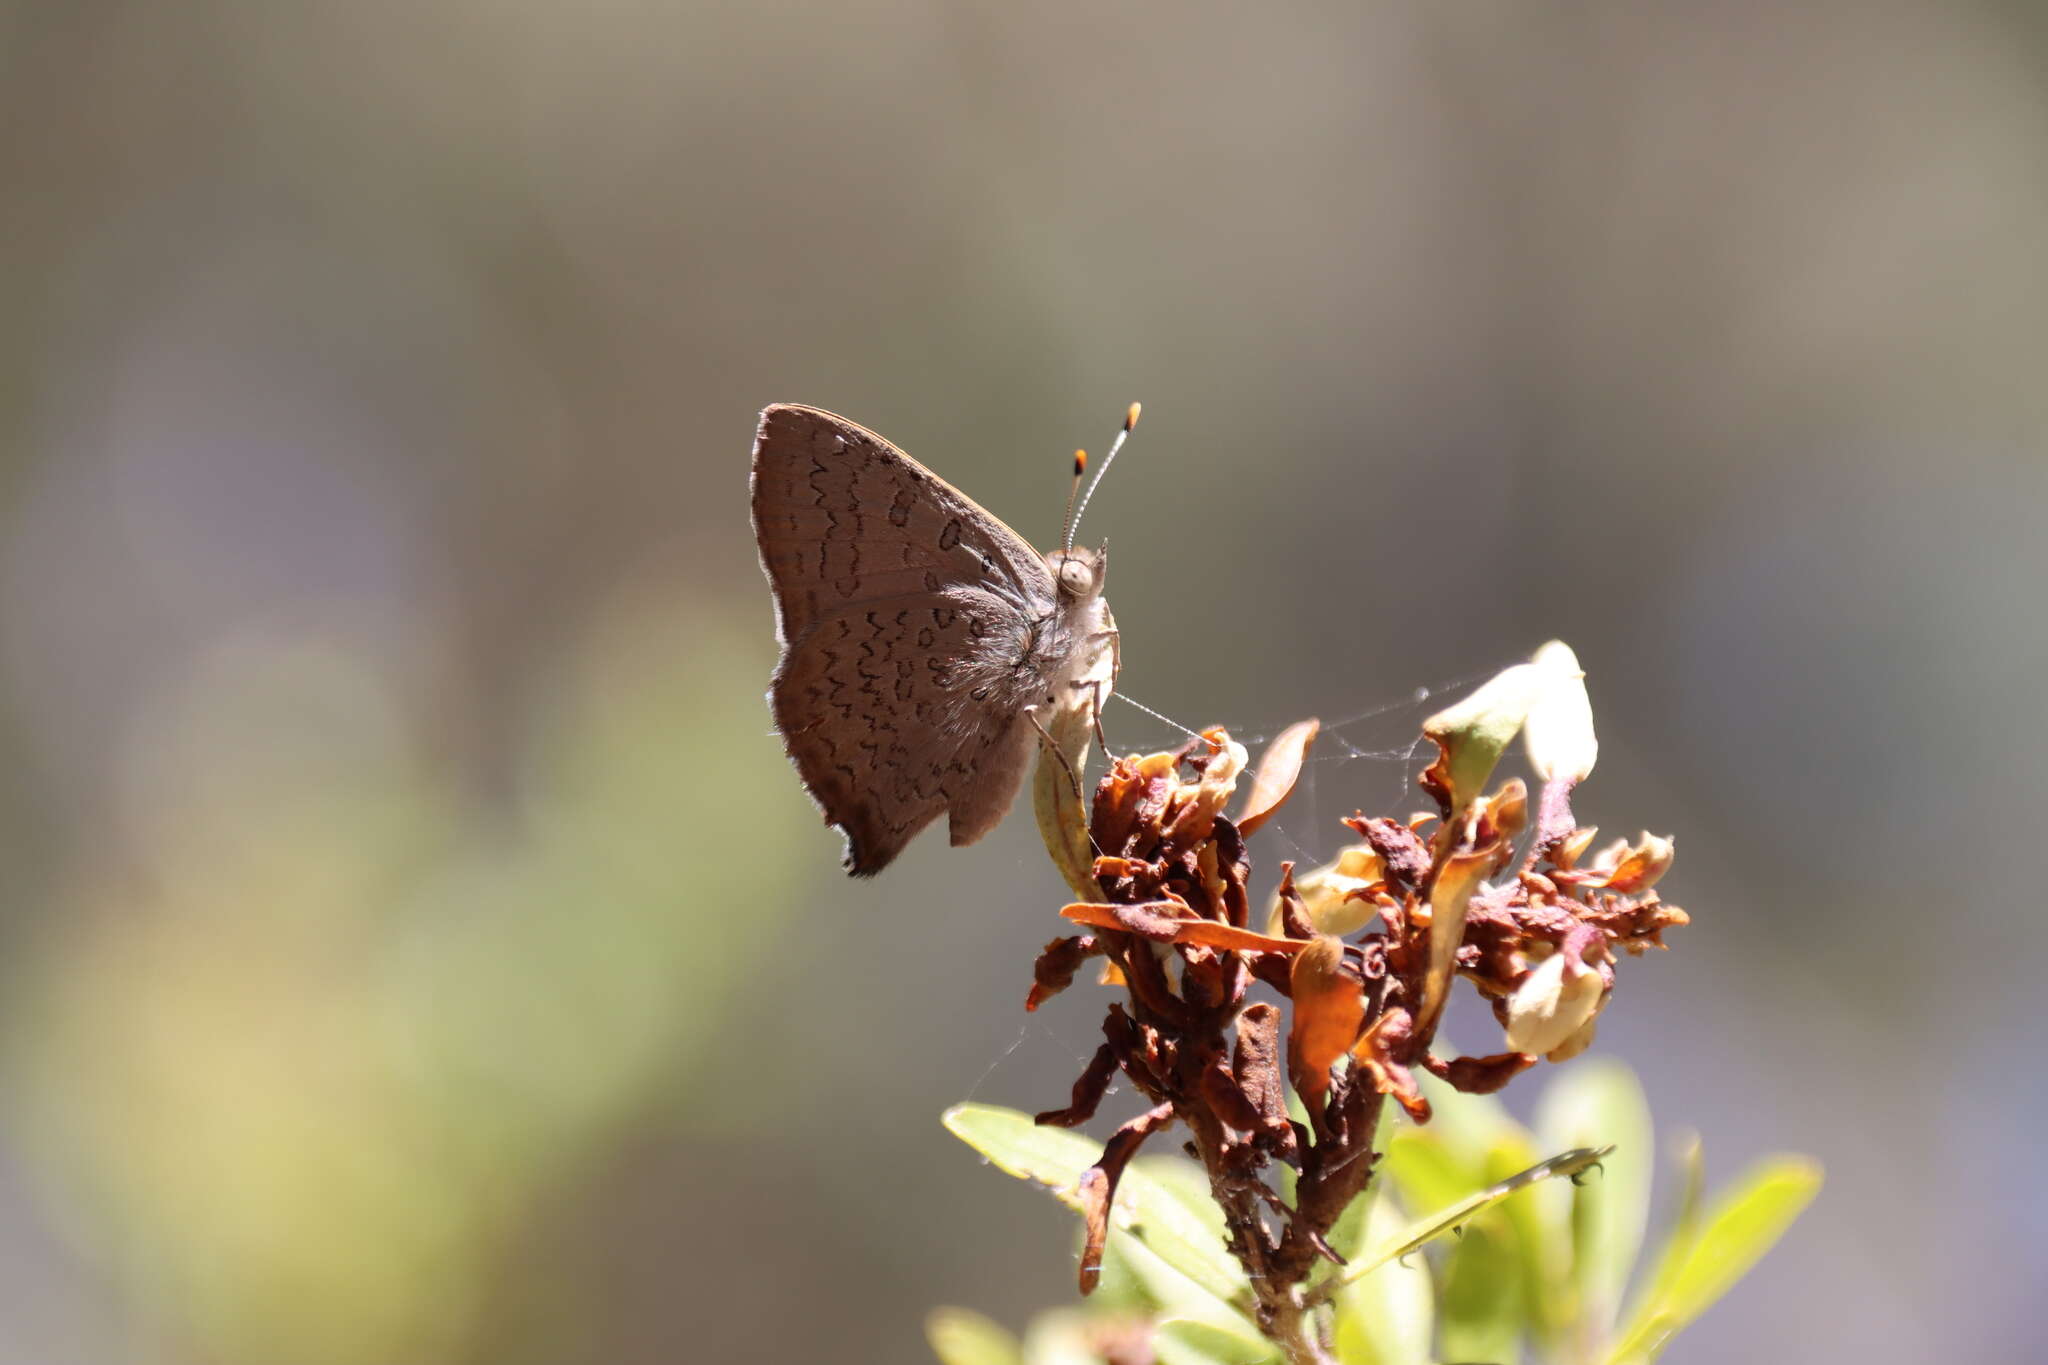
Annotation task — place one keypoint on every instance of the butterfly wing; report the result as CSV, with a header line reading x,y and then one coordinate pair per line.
x,y
877,709
842,516
907,617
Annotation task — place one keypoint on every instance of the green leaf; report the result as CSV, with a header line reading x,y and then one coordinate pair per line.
x,y
1388,1316
1537,1225
1428,1172
1593,1103
1424,1230
1353,1226
1187,1185
1471,1125
1181,1232
1737,1230
1064,1336
1473,733
1184,1229
1481,1304
1119,1290
961,1336
1180,1298
1685,1223
1183,1342
1052,1157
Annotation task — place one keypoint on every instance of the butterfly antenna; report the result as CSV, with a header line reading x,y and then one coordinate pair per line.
x,y
1067,526
1130,420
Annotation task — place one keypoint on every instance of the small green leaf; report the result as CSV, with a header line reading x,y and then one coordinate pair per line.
x,y
1349,1233
1481,1305
1425,1230
1473,733
1386,1317
1428,1172
1064,1336
1737,1230
1185,1232
1181,1231
1052,1157
1119,1289
1188,1186
1685,1223
1179,1297
1471,1125
1180,1341
1592,1103
1535,1222
961,1336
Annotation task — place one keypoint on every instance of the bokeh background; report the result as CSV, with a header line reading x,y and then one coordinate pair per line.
x,y
415,946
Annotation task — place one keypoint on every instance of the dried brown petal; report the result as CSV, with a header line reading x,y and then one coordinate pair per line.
x,y
1403,854
1098,1184
1095,1190
1226,1098
1255,1062
1234,867
1157,921
1482,1075
1455,883
1288,919
1506,812
1380,1051
1089,1088
1279,769
1055,968
1329,1010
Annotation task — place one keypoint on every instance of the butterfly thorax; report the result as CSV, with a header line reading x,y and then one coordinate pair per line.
x,y
1085,628
1053,647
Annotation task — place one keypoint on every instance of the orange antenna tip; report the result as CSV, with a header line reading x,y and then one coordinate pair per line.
x,y
1080,463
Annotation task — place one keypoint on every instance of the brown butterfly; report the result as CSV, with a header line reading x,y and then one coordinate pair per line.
x,y
924,643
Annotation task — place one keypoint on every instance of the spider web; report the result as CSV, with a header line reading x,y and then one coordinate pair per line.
x,y
1367,760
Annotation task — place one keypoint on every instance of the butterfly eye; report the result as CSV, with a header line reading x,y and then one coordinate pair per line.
x,y
1075,578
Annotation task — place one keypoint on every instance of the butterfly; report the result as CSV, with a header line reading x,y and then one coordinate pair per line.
x,y
924,643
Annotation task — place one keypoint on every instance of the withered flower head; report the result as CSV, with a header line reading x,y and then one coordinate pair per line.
x,y
1493,888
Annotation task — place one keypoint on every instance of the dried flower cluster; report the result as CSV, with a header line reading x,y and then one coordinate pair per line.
x,y
1169,910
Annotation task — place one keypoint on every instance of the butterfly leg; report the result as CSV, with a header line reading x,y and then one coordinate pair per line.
x,y
1102,690
1045,738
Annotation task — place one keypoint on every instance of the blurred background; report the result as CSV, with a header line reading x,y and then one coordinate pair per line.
x,y
416,947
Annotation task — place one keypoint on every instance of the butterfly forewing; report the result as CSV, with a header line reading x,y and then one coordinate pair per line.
x,y
915,630
843,516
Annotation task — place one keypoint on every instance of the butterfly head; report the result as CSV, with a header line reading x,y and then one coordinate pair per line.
x,y
1079,572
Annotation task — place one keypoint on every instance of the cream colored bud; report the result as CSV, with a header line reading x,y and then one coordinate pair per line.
x,y
1575,845
1639,868
1559,730
1324,892
1577,1043
1552,1004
